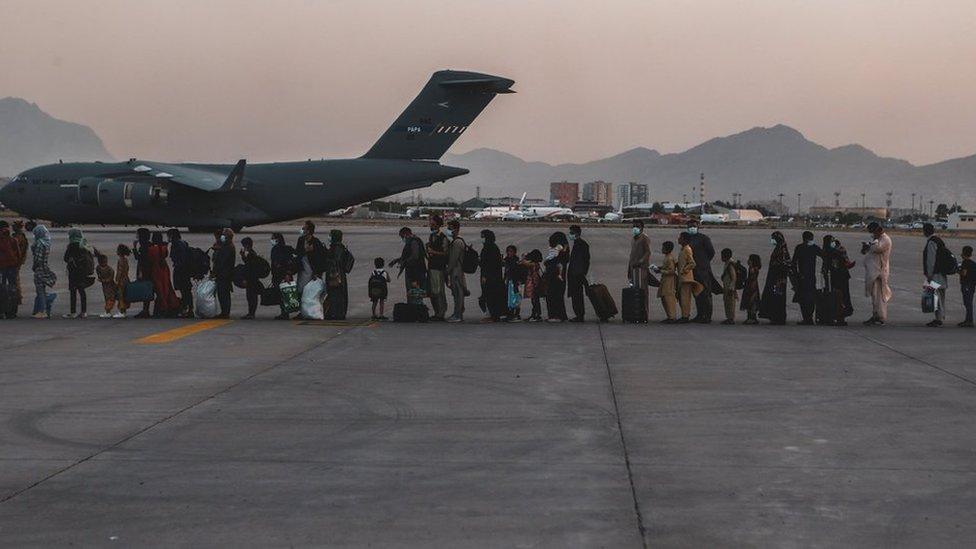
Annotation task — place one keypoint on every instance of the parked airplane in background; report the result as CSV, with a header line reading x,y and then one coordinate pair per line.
x,y
521,212
209,196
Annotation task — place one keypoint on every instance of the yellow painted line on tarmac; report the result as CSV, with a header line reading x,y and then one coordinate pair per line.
x,y
175,334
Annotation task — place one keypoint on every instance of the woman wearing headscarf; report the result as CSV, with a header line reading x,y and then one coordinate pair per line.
x,y
773,303
836,270
225,258
493,289
44,277
140,251
555,264
282,265
80,262
340,263
167,303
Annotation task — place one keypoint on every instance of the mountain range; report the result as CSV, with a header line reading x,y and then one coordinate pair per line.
x,y
30,137
759,163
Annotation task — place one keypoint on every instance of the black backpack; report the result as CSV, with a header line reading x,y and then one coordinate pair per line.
x,y
347,261
261,267
741,275
85,263
945,261
199,264
469,262
377,286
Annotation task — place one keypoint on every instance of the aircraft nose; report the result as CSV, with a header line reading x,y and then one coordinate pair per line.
x,y
7,194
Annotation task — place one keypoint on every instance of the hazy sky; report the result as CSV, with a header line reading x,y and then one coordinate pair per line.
x,y
275,80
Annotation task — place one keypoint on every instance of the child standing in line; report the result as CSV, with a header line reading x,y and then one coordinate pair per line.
x,y
378,287
750,294
729,279
967,282
532,263
668,290
514,278
110,290
122,278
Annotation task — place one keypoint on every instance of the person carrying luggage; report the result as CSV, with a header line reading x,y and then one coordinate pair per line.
x,y
805,266
310,256
836,270
532,263
514,278
224,260
934,272
579,268
704,252
81,271
554,265
167,304
455,270
179,254
772,305
255,268
337,286
283,268
44,277
412,260
688,286
750,292
437,245
378,286
640,258
967,283
668,290
730,276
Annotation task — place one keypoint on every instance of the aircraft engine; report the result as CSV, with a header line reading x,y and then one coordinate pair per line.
x,y
114,194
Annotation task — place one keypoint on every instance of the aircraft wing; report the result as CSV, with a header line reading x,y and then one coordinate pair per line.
x,y
206,179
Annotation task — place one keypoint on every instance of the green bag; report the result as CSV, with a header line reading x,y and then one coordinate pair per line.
x,y
291,301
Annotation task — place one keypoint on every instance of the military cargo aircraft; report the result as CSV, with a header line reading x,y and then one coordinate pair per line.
x,y
209,196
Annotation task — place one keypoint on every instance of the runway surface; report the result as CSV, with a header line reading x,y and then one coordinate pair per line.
x,y
272,433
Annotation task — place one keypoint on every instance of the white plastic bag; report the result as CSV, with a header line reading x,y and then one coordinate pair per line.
x,y
205,299
312,300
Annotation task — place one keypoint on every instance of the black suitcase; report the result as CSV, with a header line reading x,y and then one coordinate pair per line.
x,y
8,301
828,306
602,301
410,312
632,307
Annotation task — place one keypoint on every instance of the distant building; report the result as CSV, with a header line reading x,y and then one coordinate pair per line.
x,y
600,192
564,193
586,207
831,211
962,221
631,193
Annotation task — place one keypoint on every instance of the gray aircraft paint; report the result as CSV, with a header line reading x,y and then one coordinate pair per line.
x,y
228,195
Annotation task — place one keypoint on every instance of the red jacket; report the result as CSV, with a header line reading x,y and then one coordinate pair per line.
x,y
9,252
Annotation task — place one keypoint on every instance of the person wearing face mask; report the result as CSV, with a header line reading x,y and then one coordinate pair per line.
x,y
225,258
640,259
836,271
341,263
492,281
805,265
437,244
455,270
555,277
704,252
179,254
412,260
283,266
310,255
877,267
579,267
772,305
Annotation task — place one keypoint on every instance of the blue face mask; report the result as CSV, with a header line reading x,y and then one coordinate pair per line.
x,y
810,243
692,230
449,232
274,242
833,244
772,241
636,231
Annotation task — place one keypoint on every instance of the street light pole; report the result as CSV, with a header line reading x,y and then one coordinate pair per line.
x,y
798,195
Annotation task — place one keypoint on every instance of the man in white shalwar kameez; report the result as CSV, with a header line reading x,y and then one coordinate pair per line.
x,y
877,259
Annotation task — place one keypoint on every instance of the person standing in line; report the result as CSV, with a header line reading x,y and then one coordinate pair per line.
x,y
166,305
342,263
44,277
455,270
688,286
514,279
668,290
252,282
704,252
836,269
9,266
493,289
555,264
179,254
122,278
750,294
140,251
772,305
877,269
805,265
23,248
225,258
110,289
437,244
730,295
379,288
934,272
412,260
967,283
310,255
80,262
283,266
532,263
579,268
640,259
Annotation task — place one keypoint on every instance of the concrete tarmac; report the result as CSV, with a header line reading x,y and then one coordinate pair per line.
x,y
272,433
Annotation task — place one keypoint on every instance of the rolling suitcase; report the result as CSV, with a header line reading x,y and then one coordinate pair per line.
x,y
827,306
410,312
139,291
602,301
632,300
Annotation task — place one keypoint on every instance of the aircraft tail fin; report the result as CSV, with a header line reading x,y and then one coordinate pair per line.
x,y
442,111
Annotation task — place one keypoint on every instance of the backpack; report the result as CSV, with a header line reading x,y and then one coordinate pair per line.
x,y
347,261
85,263
741,275
261,267
945,261
469,261
377,286
199,264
